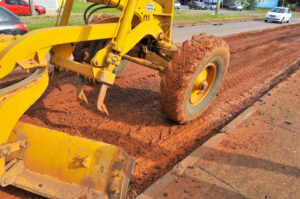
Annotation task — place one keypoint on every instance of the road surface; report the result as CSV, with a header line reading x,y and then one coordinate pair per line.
x,y
182,34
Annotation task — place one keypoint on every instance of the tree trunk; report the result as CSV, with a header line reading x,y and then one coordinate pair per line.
x,y
32,10
218,7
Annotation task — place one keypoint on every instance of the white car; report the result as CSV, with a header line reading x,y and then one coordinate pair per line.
x,y
177,5
211,7
279,14
235,6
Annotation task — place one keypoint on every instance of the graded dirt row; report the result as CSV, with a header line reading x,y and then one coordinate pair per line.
x,y
259,60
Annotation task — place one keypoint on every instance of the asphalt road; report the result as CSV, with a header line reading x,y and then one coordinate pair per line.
x,y
182,34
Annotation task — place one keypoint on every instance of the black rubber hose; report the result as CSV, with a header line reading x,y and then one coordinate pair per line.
x,y
86,11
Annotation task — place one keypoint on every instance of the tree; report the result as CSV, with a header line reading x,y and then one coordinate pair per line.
x,y
32,10
249,4
218,7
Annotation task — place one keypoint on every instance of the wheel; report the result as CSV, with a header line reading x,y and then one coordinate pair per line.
x,y
193,78
282,21
37,12
288,21
266,20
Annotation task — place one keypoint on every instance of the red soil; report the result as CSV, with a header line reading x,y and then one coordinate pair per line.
x,y
259,60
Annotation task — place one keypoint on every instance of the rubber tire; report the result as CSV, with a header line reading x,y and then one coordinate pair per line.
x,y
37,12
266,21
282,21
178,80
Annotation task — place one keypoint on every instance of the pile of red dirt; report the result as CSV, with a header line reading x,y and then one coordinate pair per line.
x,y
259,60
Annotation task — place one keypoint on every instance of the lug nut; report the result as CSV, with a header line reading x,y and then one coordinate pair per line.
x,y
22,145
114,59
203,85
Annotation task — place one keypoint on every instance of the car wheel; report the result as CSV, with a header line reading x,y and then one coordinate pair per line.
x,y
288,21
282,21
266,21
37,12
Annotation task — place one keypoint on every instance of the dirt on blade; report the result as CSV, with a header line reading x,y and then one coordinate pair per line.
x,y
259,60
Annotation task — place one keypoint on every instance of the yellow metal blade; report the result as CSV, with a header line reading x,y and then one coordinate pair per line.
x,y
58,165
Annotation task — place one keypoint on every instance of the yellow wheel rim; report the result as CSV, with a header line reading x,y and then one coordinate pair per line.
x,y
203,84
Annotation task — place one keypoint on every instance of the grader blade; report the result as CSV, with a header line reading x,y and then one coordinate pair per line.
x,y
57,165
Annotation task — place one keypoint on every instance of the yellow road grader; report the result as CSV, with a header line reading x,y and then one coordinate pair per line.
x,y
57,165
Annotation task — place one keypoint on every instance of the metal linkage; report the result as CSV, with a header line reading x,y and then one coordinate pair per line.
x,y
145,63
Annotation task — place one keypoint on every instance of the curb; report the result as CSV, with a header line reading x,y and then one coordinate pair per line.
x,y
161,184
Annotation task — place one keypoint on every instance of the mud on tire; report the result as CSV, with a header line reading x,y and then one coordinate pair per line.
x,y
178,81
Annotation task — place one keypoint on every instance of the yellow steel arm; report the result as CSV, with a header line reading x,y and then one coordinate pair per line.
x,y
16,99
42,40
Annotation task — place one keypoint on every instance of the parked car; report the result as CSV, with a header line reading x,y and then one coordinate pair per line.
x,y
235,6
177,5
211,7
10,23
20,7
197,5
297,9
279,14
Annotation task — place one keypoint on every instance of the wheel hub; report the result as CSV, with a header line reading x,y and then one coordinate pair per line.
x,y
203,84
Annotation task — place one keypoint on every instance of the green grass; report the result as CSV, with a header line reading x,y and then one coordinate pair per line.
x,y
44,21
198,17
39,25
80,6
77,12
260,10
190,12
36,22
37,17
34,26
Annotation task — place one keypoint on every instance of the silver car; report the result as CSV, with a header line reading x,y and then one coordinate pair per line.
x,y
279,14
177,5
235,6
211,7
